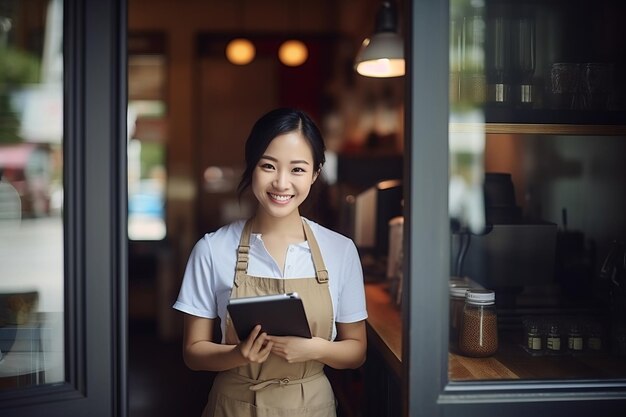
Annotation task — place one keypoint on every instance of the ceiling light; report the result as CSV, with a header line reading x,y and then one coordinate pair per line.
x,y
382,55
293,53
240,51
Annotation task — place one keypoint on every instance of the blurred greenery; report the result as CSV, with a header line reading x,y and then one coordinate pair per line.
x,y
17,68
152,156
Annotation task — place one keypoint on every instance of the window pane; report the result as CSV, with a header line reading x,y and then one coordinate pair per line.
x,y
31,193
147,121
536,125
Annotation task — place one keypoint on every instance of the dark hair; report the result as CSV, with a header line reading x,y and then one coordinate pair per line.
x,y
275,123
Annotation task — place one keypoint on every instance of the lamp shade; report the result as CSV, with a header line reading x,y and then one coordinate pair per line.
x,y
382,55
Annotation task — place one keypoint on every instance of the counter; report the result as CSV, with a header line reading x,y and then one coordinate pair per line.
x,y
384,331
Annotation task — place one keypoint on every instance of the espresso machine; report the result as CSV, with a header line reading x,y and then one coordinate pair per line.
x,y
511,253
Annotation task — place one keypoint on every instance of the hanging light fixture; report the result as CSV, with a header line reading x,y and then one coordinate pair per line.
x,y
240,51
382,55
293,53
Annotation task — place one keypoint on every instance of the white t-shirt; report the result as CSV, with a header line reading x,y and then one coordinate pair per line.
x,y
210,271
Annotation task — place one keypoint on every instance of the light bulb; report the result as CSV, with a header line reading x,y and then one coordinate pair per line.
x,y
240,51
293,53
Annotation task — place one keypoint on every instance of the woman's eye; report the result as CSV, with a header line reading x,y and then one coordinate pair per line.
x,y
267,166
298,170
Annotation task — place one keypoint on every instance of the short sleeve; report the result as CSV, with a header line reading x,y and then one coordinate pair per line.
x,y
351,298
197,294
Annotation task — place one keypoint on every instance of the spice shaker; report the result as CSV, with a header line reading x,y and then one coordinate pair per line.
x,y
533,336
479,329
553,339
574,338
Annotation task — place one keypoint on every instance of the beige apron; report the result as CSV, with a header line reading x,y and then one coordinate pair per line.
x,y
276,387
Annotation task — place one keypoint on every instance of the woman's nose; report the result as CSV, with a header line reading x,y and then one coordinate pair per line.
x,y
281,181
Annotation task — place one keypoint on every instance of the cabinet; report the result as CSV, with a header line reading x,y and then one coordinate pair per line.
x,y
564,149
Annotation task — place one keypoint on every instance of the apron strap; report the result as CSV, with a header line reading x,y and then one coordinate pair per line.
x,y
321,272
243,251
256,385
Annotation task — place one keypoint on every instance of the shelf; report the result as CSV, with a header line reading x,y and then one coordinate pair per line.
x,y
538,129
513,363
547,122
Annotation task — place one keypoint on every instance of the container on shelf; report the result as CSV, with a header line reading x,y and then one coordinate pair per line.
x,y
479,329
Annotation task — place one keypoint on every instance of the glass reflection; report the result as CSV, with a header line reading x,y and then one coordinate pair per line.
x,y
147,137
31,193
536,217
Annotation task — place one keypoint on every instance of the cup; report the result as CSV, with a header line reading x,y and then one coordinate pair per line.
x,y
565,85
597,80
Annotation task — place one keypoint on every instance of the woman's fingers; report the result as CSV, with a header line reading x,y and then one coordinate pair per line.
x,y
257,347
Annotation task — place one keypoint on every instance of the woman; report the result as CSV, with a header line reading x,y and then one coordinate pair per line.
x,y
275,251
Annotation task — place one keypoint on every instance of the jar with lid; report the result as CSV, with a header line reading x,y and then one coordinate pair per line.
x,y
457,301
479,329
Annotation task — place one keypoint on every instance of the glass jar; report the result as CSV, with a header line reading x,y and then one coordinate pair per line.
x,y
457,302
479,329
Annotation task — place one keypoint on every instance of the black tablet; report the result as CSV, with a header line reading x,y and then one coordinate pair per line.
x,y
278,315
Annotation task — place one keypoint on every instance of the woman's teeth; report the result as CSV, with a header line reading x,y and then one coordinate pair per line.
x,y
280,197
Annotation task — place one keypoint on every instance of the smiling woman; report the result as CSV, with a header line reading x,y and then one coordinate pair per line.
x,y
278,251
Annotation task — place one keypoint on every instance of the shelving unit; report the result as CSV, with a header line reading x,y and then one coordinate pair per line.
x,y
539,129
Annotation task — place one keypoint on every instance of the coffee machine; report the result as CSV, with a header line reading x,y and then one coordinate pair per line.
x,y
511,253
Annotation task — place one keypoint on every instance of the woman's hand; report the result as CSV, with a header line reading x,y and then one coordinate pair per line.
x,y
257,347
296,349
346,351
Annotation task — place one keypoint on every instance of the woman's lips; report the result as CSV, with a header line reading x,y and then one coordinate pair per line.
x,y
279,198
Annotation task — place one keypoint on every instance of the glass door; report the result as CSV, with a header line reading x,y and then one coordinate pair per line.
x,y
536,107
32,298
62,208
515,300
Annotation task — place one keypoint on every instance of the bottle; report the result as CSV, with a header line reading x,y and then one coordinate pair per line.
x,y
574,338
553,338
594,337
479,329
533,337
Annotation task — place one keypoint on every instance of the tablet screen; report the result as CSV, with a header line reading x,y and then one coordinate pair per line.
x,y
278,315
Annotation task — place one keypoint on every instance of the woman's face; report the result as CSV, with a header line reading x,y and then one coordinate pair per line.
x,y
282,178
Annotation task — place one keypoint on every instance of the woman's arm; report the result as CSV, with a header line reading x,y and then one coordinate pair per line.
x,y
202,354
346,352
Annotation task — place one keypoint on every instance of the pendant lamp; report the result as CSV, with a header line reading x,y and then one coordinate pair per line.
x,y
382,55
293,53
240,51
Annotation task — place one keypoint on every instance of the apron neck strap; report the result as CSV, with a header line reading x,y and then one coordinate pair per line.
x,y
243,251
321,273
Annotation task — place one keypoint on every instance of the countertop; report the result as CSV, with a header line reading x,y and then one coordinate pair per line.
x,y
384,330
